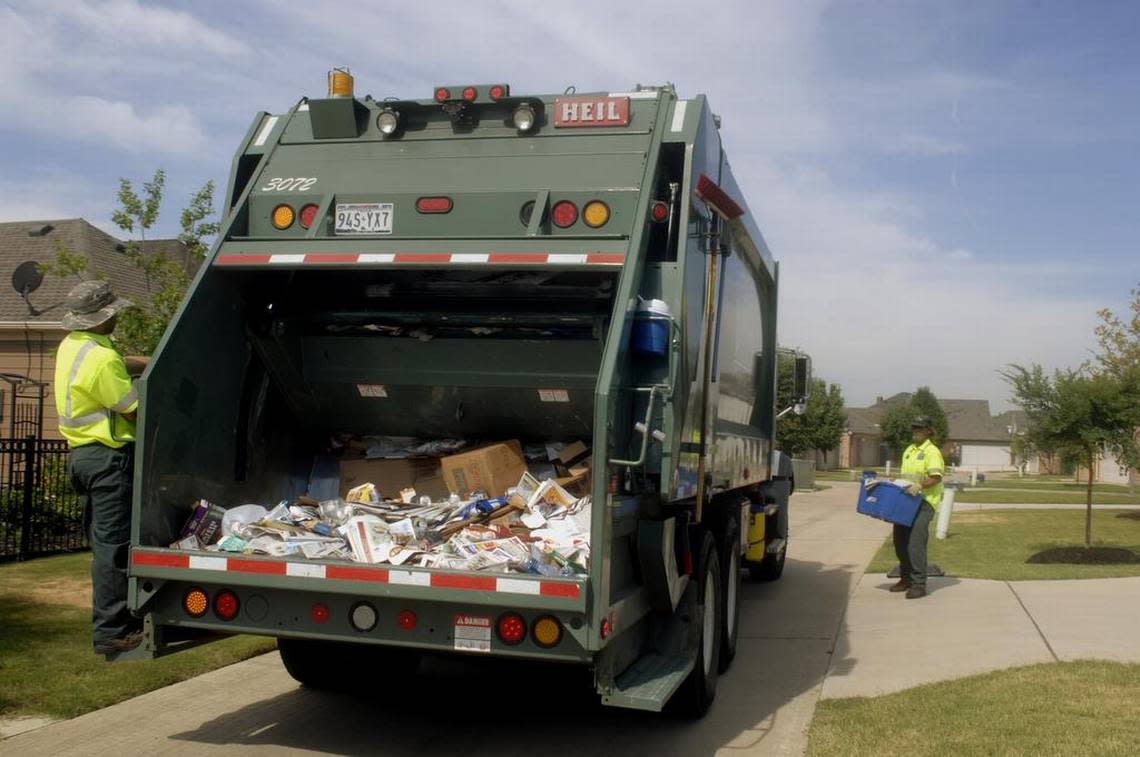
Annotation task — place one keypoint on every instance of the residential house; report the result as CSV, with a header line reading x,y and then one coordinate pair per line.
x,y
30,329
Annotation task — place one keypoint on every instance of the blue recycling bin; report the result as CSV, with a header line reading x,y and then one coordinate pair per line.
x,y
888,502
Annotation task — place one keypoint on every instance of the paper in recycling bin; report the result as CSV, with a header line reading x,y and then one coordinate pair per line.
x,y
537,527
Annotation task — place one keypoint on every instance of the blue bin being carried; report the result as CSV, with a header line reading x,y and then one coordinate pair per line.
x,y
888,502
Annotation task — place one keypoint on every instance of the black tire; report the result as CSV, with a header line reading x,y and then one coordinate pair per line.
x,y
732,577
696,694
333,666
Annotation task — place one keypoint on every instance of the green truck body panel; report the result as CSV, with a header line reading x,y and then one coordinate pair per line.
x,y
270,350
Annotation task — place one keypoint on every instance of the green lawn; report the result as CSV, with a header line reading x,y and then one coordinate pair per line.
x,y
1066,485
46,663
996,543
1054,709
1040,497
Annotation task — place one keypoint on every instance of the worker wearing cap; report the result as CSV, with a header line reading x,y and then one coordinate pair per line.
x,y
97,402
922,465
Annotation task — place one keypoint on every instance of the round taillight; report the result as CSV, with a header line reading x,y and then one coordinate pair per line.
x,y
195,602
226,604
442,94
496,92
406,620
362,616
596,213
469,94
511,628
319,612
546,631
283,217
308,213
434,205
659,211
564,214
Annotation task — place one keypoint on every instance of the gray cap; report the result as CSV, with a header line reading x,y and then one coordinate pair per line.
x,y
921,421
90,304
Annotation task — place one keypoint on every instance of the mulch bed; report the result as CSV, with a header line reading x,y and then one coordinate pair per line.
x,y
1083,556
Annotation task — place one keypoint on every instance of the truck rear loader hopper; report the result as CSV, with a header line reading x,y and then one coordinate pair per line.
x,y
528,256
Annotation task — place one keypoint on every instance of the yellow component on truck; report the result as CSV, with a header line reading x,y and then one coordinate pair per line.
x,y
755,537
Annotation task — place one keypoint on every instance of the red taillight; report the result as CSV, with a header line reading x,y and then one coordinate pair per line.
x,y
442,95
469,94
564,214
659,211
497,92
308,213
319,612
406,620
512,628
607,628
226,604
433,204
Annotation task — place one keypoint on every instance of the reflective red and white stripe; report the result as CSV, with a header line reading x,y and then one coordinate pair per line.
x,y
395,576
424,258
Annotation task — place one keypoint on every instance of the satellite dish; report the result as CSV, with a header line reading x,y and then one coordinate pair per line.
x,y
27,277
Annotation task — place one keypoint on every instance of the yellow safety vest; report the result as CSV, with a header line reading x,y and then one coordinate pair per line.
x,y
920,462
92,389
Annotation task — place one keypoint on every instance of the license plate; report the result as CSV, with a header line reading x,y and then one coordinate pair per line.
x,y
364,218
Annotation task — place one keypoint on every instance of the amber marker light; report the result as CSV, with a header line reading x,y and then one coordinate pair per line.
x,y
283,216
546,631
195,602
595,214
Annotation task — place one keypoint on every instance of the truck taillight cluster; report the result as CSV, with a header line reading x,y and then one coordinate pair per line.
x,y
564,213
545,631
196,602
284,216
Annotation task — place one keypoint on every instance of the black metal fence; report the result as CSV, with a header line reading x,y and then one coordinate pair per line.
x,y
39,511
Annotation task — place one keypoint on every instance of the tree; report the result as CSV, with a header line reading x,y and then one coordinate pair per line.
x,y
1076,412
822,423
894,425
140,329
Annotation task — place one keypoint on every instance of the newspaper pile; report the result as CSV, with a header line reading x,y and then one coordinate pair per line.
x,y
538,528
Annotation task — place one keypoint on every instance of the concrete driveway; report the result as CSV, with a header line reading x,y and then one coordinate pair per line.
x,y
764,704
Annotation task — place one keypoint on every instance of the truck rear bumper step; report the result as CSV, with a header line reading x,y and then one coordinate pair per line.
x,y
650,682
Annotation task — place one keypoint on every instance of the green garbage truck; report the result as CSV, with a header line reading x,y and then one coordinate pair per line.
x,y
588,269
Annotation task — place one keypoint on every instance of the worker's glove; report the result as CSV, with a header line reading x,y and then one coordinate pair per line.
x,y
914,490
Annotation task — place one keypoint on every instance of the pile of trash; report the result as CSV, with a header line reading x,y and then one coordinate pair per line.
x,y
538,527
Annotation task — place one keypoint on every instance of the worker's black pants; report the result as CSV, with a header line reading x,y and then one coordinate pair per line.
x,y
103,476
910,546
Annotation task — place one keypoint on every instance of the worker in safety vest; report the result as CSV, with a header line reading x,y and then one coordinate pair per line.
x,y
922,466
97,402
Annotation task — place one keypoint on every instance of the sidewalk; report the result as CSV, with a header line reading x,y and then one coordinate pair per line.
x,y
970,626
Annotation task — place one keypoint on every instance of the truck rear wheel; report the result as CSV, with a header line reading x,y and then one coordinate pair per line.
x,y
696,694
772,566
732,575
335,666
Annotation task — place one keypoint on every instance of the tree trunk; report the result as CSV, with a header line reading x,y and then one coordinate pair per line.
x,y
1088,502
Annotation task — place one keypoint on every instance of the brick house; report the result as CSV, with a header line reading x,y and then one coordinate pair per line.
x,y
30,329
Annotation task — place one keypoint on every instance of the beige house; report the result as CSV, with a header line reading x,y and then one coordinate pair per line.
x,y
30,329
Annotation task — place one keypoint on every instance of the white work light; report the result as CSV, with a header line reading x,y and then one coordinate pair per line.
x,y
524,117
388,121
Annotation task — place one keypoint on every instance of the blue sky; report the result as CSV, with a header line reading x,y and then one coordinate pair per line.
x,y
950,187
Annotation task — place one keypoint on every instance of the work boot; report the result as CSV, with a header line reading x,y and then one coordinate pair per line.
x,y
902,585
112,648
916,592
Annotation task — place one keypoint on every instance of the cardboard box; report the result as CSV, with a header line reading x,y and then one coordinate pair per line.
x,y
493,469
391,476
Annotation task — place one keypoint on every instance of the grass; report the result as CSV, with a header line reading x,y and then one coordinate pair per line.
x,y
1040,497
46,663
995,544
1051,709
1066,485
